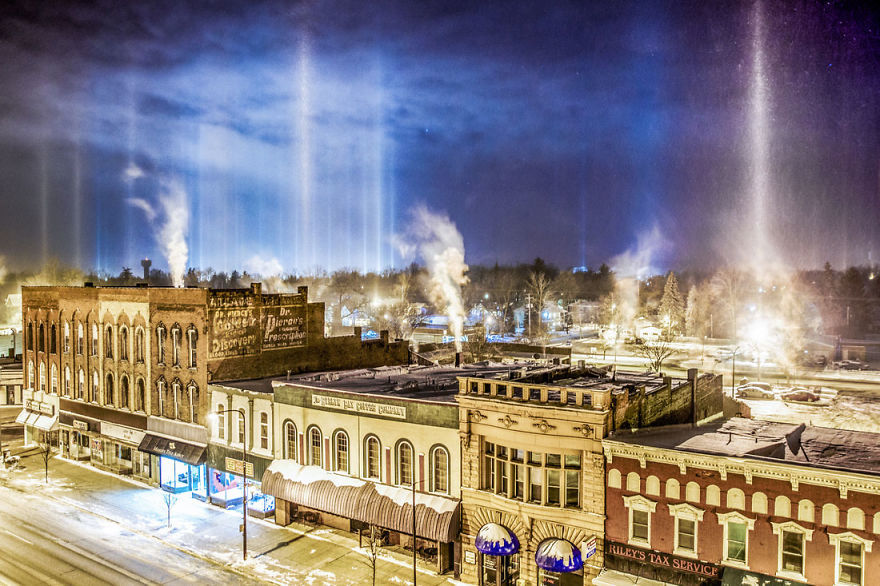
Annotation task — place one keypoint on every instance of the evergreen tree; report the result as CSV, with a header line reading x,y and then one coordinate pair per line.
x,y
672,304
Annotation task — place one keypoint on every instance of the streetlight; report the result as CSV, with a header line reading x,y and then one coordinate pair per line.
x,y
214,418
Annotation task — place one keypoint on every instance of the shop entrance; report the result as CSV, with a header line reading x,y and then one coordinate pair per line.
x,y
499,570
179,477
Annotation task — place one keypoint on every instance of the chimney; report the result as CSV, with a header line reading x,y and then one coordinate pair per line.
x,y
256,288
146,263
304,291
457,359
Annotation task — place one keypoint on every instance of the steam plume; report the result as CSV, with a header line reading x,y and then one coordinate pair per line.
x,y
170,221
434,238
631,267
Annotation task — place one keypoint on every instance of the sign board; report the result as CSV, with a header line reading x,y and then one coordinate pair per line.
x,y
80,425
234,466
122,433
470,557
643,561
365,407
39,407
283,322
588,547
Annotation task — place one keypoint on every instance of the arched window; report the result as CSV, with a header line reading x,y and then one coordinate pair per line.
x,y
108,390
123,392
855,519
160,343
41,340
139,345
264,430
30,336
66,345
80,338
315,446
614,479
736,499
221,421
289,441
405,464
53,339
96,383
31,376
713,495
123,343
692,492
782,506
806,511
239,424
66,381
94,349
652,486
373,459
42,376
192,392
340,452
160,393
673,489
439,470
633,482
191,337
54,379
141,395
81,384
108,341
175,345
830,515
759,503
175,396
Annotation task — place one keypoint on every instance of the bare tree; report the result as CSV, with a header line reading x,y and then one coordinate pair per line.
x,y
46,453
539,287
656,352
478,347
374,543
727,286
170,501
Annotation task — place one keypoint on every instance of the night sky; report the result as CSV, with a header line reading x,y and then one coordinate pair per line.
x,y
302,134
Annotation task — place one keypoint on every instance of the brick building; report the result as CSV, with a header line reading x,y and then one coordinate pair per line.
x,y
533,498
743,502
119,374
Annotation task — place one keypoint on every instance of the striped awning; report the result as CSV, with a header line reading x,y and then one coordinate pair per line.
x,y
389,507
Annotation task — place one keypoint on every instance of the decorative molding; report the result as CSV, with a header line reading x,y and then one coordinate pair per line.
x,y
544,426
507,421
476,417
585,430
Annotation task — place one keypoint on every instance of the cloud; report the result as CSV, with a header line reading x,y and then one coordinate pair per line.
x,y
263,266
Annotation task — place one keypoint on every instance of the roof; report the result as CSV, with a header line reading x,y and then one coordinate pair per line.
x,y
840,449
378,504
433,383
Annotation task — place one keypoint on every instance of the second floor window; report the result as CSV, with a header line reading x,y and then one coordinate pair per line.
x,y
221,422
191,339
139,345
108,342
80,338
264,431
374,451
66,345
315,447
94,349
123,343
405,464
440,470
341,452
160,344
175,346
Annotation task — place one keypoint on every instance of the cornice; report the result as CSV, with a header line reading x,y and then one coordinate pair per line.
x,y
792,473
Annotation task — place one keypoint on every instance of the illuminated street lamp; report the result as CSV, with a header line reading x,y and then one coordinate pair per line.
x,y
214,417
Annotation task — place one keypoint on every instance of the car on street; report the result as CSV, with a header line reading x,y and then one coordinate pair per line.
x,y
850,365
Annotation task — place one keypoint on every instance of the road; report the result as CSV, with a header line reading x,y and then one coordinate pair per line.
x,y
44,541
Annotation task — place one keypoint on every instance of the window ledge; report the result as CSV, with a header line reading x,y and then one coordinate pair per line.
x,y
791,575
685,553
736,564
638,542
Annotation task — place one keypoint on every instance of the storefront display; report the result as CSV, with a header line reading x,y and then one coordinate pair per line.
x,y
179,477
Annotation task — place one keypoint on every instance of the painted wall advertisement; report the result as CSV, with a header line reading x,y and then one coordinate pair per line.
x,y
242,324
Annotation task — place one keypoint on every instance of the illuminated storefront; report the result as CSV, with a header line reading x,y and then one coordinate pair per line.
x,y
181,465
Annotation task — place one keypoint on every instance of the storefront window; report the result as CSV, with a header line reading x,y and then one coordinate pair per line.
x,y
177,477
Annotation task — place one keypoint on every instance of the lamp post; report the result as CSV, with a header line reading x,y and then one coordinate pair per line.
x,y
414,484
215,415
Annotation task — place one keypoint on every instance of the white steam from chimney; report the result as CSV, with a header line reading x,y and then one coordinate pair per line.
x,y
630,268
433,237
170,221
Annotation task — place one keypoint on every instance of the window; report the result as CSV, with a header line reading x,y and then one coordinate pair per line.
x,y
692,492
175,397
289,441
43,376
175,345
315,447
640,510
30,336
160,343
160,388
713,495
108,342
440,471
96,383
239,423
855,519
53,339
686,519
614,478
123,392
31,375
340,449
849,557
123,343
66,344
192,337
141,400
830,515
759,503
66,381
633,482
192,395
221,421
54,380
791,539
652,486
374,450
264,430
139,345
736,538
108,390
80,338
94,348
547,479
673,489
806,511
41,338
80,384
405,464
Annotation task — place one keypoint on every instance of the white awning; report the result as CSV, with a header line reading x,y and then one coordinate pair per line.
x,y
615,578
32,418
46,422
22,417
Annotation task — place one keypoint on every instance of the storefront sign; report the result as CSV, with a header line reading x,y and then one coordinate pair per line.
x,y
125,434
588,548
470,557
80,425
234,466
659,559
367,407
39,407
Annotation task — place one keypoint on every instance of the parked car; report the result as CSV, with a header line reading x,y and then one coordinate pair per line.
x,y
850,365
753,392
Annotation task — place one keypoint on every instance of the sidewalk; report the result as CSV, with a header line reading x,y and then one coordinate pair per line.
x,y
276,555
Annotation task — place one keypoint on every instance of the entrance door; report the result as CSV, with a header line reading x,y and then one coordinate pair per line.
x,y
499,570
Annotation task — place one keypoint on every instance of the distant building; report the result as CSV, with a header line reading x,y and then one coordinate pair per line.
x,y
743,502
533,500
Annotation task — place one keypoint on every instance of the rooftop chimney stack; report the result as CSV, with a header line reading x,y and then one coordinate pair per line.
x,y
146,263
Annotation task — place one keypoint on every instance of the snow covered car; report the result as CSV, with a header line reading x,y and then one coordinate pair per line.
x,y
751,391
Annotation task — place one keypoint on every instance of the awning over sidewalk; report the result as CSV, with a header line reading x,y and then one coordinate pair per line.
x,y
46,422
614,578
22,417
389,507
173,448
